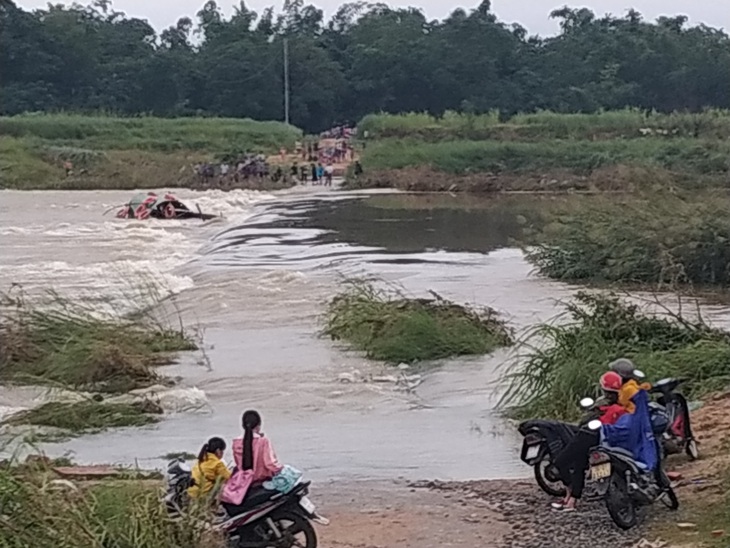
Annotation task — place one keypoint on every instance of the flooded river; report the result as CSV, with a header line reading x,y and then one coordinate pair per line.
x,y
254,284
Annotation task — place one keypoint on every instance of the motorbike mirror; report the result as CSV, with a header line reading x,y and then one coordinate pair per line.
x,y
587,403
594,425
639,374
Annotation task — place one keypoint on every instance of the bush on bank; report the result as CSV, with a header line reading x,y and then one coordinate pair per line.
x,y
656,241
390,327
562,362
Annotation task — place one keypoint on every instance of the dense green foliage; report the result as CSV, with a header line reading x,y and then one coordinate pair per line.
x,y
563,361
657,241
112,514
366,58
70,344
392,328
691,156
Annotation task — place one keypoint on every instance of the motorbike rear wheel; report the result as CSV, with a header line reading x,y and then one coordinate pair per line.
x,y
296,530
546,479
621,507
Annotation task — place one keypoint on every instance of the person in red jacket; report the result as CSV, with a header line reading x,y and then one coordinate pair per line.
x,y
572,462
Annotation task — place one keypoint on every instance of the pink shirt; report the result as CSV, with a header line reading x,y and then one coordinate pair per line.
x,y
265,463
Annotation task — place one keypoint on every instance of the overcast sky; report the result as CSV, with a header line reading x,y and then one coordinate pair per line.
x,y
532,14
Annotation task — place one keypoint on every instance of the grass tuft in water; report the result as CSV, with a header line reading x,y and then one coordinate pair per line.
x,y
87,416
388,326
562,362
70,343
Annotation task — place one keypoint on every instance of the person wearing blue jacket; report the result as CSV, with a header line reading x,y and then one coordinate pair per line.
x,y
633,432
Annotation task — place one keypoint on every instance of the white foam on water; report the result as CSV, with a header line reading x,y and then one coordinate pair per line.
x,y
56,240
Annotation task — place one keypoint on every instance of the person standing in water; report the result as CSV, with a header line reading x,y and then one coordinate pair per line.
x,y
315,179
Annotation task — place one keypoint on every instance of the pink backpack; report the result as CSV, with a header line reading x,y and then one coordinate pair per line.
x,y
235,489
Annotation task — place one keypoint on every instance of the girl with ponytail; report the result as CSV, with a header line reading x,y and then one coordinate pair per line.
x,y
210,470
253,451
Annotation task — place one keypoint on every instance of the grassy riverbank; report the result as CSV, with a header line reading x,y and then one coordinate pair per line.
x,y
388,326
662,242
622,150
562,362
112,152
625,123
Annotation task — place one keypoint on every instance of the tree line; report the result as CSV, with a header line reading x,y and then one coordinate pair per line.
x,y
367,58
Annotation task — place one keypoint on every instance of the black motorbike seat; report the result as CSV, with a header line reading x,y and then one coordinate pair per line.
x,y
628,454
256,495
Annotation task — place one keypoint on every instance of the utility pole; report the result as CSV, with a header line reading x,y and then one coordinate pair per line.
x,y
286,80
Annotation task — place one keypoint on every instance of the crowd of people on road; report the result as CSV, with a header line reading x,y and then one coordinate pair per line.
x,y
316,161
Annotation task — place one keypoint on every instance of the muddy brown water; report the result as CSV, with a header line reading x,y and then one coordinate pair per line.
x,y
254,284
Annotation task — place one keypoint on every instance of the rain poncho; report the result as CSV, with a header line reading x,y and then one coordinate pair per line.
x,y
633,432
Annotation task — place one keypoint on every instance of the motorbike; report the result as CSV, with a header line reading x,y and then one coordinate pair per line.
x,y
627,484
265,519
545,439
677,437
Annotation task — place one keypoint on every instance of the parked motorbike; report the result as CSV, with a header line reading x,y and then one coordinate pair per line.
x,y
543,442
265,519
628,485
677,437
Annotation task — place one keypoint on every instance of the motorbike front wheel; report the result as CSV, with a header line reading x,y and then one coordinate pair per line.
x,y
547,477
619,503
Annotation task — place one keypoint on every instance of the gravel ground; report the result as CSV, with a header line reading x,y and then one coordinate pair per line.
x,y
534,524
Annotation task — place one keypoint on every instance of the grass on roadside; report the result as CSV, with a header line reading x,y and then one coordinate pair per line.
x,y
69,343
562,362
388,326
113,514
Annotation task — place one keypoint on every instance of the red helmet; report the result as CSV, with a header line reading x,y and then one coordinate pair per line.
x,y
611,381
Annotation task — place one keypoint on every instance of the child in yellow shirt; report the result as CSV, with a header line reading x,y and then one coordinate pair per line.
x,y
210,471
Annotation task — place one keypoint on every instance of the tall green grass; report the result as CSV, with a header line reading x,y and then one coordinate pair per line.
x,y
109,514
414,124
390,327
149,133
625,123
562,362
70,343
686,156
664,241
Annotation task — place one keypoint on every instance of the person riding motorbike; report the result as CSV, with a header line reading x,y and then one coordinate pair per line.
x,y
572,462
629,383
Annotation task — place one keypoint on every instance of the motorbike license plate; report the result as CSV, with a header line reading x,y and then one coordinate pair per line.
x,y
307,504
601,471
532,452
